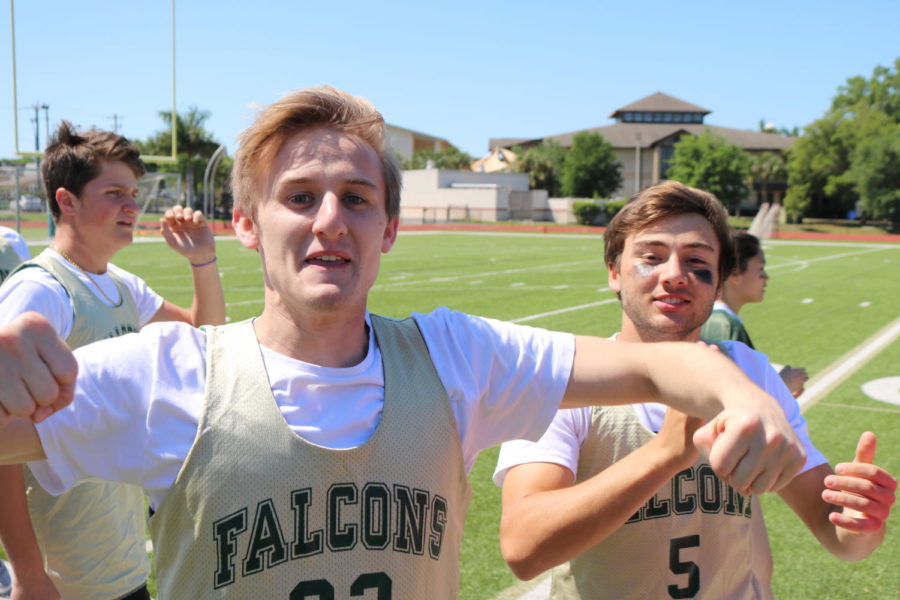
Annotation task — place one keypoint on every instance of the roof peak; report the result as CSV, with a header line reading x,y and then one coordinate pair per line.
x,y
660,102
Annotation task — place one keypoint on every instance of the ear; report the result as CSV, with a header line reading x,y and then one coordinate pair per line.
x,y
390,235
67,201
613,278
245,229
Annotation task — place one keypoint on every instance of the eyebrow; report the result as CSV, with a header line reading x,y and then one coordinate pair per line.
x,y
660,244
119,186
361,181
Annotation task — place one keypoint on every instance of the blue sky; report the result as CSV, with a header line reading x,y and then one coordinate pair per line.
x,y
465,71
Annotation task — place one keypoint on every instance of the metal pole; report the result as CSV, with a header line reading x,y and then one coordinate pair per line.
x,y
12,37
208,179
16,200
174,119
637,163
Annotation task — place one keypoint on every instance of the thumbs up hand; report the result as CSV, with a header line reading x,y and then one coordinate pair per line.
x,y
864,490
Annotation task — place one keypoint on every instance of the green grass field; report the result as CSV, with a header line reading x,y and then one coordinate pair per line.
x,y
823,301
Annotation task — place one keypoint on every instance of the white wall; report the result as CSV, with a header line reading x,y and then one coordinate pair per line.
x,y
399,141
435,195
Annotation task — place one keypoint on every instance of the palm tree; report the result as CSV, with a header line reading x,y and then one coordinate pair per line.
x,y
766,167
195,145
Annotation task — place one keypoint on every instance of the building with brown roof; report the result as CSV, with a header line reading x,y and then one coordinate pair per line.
x,y
644,135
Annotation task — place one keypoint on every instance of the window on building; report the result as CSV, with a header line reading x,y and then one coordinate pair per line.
x,y
665,158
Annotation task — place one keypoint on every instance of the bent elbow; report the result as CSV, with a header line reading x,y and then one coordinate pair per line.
x,y
521,559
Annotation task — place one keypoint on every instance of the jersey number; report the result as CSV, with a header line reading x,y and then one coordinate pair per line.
x,y
321,589
680,567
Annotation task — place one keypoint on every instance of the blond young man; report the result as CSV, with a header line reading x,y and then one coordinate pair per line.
x,y
617,500
320,450
89,543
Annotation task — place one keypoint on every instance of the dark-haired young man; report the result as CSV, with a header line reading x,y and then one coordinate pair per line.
x,y
320,450
89,542
617,499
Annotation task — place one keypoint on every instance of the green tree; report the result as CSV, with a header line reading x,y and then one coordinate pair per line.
x,y
881,92
590,169
448,158
823,176
544,166
195,145
876,173
711,163
819,163
765,168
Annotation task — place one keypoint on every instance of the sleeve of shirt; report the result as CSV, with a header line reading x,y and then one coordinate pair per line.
x,y
756,366
103,432
36,290
504,381
560,444
148,302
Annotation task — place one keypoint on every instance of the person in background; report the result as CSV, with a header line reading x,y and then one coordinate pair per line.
x,y
13,251
618,499
89,543
747,283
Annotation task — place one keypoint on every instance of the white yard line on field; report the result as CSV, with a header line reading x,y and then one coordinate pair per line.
x,y
806,262
565,310
845,366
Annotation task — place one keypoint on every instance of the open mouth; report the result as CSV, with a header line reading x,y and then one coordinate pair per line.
x,y
327,260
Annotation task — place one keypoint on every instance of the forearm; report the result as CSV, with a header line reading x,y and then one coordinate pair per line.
x,y
851,546
16,532
546,528
691,378
19,443
208,306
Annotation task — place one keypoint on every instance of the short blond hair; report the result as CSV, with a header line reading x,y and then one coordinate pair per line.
x,y
322,106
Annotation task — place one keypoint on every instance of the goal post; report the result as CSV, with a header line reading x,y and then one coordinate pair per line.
x,y
170,159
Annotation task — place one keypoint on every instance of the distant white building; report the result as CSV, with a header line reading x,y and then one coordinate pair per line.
x,y
441,195
406,142
644,137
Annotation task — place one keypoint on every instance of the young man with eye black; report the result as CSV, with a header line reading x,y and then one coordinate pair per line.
x,y
89,543
319,450
616,499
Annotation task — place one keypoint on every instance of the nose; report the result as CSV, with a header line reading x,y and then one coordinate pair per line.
x,y
673,272
329,220
130,206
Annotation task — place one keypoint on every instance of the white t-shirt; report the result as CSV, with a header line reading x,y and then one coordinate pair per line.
x,y
561,443
145,392
37,290
17,242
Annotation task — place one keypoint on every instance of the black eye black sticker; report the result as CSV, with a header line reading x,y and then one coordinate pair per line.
x,y
704,276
